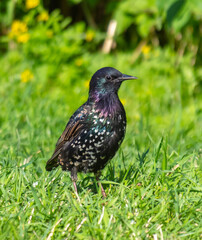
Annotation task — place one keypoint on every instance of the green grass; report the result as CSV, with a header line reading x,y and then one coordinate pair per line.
x,y
153,184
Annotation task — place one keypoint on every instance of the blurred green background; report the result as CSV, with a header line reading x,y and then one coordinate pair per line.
x,y
47,59
48,52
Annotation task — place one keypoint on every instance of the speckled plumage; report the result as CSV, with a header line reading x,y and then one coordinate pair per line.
x,y
96,130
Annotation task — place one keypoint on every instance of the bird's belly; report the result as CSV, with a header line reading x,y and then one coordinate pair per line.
x,y
100,150
97,158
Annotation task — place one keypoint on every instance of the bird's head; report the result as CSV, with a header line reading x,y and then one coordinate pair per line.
x,y
107,80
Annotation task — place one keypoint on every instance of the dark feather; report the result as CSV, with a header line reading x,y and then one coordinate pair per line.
x,y
72,129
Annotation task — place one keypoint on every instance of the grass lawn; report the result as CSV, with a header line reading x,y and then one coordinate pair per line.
x,y
153,184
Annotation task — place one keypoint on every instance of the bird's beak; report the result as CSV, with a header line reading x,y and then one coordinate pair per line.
x,y
126,77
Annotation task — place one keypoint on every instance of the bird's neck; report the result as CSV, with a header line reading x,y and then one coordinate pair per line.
x,y
107,104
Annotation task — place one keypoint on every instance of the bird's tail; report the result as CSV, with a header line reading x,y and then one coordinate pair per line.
x,y
52,163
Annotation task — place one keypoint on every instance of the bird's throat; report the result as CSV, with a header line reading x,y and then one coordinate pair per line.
x,y
107,104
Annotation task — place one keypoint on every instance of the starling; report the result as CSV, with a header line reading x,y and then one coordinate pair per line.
x,y
95,131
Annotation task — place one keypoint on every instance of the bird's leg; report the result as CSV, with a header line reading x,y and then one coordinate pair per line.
x,y
74,179
97,176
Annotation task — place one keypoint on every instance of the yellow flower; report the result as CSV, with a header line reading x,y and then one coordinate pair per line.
x,y
43,16
146,49
23,38
19,31
17,28
123,100
86,83
79,62
31,4
90,34
26,76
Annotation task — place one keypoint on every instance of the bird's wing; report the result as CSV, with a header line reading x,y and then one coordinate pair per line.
x,y
70,132
73,128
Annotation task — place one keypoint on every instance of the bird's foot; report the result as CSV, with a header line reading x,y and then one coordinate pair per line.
x,y
102,190
97,176
76,192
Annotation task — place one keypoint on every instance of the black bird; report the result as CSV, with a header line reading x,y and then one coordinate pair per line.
x,y
95,131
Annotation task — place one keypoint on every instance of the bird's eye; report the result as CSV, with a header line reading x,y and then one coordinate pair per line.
x,y
108,77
